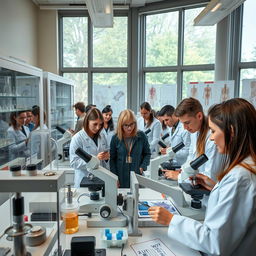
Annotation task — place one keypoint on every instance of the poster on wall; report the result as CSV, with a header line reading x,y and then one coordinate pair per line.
x,y
114,95
158,95
249,90
209,93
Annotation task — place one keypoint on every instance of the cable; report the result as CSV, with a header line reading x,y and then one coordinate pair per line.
x,y
89,214
121,211
84,194
122,250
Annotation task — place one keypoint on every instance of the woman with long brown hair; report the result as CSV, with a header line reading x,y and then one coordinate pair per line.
x,y
229,227
92,141
191,115
19,134
129,149
148,122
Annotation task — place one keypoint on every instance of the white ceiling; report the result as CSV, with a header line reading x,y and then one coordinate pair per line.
x,y
78,2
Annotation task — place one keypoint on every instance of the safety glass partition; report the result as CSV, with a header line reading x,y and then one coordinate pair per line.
x,y
110,89
75,42
161,89
199,41
248,52
19,92
80,87
162,39
61,105
195,76
110,44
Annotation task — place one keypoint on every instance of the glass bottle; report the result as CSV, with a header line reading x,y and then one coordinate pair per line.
x,y
69,213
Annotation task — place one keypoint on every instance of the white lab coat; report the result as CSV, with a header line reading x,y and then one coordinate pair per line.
x,y
108,135
39,143
154,135
229,227
82,140
180,135
213,166
19,148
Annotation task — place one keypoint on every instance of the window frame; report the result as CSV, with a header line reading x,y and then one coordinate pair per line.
x,y
90,70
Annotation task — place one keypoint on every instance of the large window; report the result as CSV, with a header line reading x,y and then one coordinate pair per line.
x,y
96,59
81,86
199,41
75,42
161,89
176,53
195,76
247,63
110,89
248,34
162,39
110,44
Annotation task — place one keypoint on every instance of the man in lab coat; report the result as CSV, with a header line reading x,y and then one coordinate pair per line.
x,y
177,135
80,112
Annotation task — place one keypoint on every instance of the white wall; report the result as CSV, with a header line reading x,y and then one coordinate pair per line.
x,y
18,30
48,40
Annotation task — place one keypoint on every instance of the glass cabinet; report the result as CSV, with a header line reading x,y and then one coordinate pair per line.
x,y
20,87
59,100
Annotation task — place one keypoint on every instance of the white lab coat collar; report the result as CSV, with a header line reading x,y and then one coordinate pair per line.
x,y
179,126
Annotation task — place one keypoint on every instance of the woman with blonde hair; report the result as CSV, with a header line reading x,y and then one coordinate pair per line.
x,y
129,149
229,227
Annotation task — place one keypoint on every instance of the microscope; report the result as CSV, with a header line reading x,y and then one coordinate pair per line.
x,y
63,152
196,191
155,163
131,201
147,131
165,137
19,229
107,207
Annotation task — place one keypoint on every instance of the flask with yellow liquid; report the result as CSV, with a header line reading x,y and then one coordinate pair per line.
x,y
69,213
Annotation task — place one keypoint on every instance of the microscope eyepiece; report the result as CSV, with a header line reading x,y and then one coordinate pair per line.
x,y
160,143
60,129
178,147
147,131
195,164
85,156
165,136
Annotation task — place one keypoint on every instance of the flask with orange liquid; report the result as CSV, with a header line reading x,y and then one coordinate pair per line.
x,y
69,213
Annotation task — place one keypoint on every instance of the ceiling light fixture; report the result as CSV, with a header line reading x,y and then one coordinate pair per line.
x,y
215,11
101,12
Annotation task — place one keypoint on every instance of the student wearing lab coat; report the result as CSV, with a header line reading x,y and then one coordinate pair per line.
x,y
80,113
92,141
36,118
18,133
177,135
165,128
108,128
148,121
129,149
229,227
191,115
39,142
